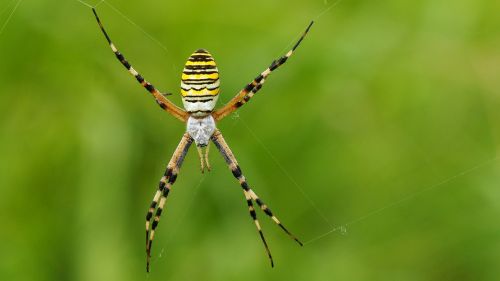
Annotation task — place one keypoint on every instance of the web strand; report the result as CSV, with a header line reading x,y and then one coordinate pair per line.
x,y
137,26
419,192
131,22
316,18
7,7
327,9
10,16
287,174
405,199
181,218
90,6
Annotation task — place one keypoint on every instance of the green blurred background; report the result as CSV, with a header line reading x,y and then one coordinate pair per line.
x,y
387,118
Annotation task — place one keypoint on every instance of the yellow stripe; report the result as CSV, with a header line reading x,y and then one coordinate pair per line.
x,y
200,76
201,92
211,62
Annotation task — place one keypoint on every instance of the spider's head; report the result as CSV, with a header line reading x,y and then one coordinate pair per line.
x,y
200,83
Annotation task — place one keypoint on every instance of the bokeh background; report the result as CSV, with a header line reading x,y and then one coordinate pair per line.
x,y
377,144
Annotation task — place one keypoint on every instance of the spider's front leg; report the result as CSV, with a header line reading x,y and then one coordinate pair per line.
x,y
253,87
161,100
164,187
250,195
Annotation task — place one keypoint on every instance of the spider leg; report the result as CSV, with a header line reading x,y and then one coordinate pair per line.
x,y
251,209
251,89
161,194
270,214
250,195
162,101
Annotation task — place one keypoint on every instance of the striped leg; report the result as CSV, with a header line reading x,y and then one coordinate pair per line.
x,y
249,91
251,209
163,102
164,187
269,213
250,195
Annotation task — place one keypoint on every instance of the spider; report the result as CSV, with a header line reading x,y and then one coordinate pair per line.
x,y
199,90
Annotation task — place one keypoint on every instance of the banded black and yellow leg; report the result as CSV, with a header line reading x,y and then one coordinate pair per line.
x,y
163,190
226,152
152,208
269,213
162,101
253,214
161,194
250,89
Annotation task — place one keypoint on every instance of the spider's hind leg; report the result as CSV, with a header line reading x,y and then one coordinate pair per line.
x,y
161,194
250,195
269,213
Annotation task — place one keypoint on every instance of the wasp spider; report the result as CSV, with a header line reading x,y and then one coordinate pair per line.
x,y
200,90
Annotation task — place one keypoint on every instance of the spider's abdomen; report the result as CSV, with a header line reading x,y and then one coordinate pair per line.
x,y
200,84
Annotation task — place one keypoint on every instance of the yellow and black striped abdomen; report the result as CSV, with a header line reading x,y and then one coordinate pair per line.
x,y
200,84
